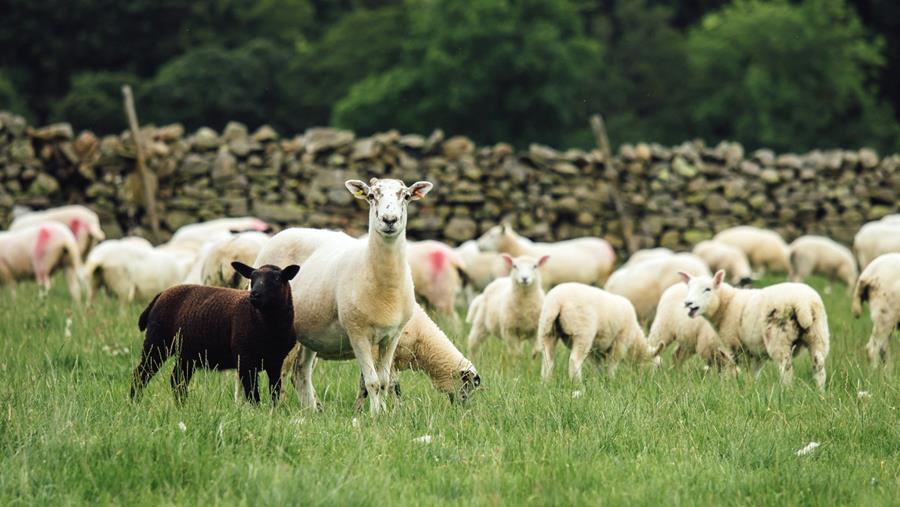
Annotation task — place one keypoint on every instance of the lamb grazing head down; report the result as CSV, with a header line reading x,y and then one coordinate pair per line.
x,y
387,200
471,381
269,285
702,296
524,270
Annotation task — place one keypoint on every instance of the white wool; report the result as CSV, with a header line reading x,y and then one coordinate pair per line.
x,y
879,285
764,248
84,223
37,251
818,254
875,239
194,236
215,261
594,323
436,271
133,270
480,268
648,253
719,255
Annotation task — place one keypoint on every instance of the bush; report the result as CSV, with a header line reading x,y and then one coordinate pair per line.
x,y
10,100
94,101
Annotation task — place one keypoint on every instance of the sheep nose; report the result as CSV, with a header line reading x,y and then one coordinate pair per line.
x,y
389,220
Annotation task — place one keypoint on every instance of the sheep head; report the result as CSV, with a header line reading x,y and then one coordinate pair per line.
x,y
703,293
387,200
269,285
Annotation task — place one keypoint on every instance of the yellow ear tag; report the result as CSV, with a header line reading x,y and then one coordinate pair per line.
x,y
359,193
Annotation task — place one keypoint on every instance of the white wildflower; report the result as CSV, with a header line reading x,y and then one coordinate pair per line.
x,y
182,426
810,447
424,439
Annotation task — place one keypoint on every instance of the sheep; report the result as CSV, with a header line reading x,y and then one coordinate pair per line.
x,y
690,335
134,270
643,283
771,322
891,219
723,256
218,328
215,263
37,251
593,323
480,268
875,239
353,293
84,223
647,254
765,249
584,260
818,254
510,306
436,270
192,237
879,284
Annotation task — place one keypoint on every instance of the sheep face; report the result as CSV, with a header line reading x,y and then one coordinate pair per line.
x,y
524,270
471,381
387,200
269,285
702,295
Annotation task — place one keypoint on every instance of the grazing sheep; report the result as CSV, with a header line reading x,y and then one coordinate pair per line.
x,y
480,268
772,322
764,248
37,251
583,260
647,254
436,271
690,335
723,256
593,323
510,306
818,254
644,282
217,328
875,239
353,294
134,270
216,269
879,284
84,223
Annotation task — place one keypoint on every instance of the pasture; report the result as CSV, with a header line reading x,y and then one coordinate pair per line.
x,y
69,434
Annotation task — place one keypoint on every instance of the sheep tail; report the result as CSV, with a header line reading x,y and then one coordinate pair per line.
x,y
548,323
145,315
474,308
860,296
805,315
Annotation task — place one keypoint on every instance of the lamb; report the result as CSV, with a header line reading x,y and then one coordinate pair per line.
x,y
436,271
584,260
479,268
216,328
134,270
771,322
818,254
723,256
690,335
594,323
643,283
37,251
879,284
84,223
216,260
510,306
875,239
765,249
354,294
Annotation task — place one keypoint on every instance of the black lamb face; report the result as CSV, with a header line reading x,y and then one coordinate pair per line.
x,y
269,285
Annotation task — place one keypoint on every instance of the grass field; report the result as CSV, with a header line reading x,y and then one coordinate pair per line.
x,y
69,435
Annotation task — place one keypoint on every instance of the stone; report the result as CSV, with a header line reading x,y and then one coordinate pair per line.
x,y
205,139
169,133
565,168
716,202
769,176
289,213
757,201
224,167
670,239
412,141
694,236
321,139
43,185
683,168
458,147
365,149
194,165
175,219
542,155
53,132
265,134
868,158
234,130
460,229
21,151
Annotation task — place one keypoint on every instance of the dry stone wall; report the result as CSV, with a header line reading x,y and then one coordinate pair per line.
x,y
675,195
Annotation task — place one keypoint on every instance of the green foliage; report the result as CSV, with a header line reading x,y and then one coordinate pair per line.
x,y
10,99
94,101
492,69
790,77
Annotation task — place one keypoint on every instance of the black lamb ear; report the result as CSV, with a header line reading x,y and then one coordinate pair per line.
x,y
289,272
243,269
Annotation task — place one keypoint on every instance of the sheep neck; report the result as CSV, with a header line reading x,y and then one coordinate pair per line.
x,y
386,260
726,298
510,245
523,293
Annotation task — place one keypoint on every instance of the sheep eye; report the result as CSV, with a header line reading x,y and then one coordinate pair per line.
x,y
370,196
707,289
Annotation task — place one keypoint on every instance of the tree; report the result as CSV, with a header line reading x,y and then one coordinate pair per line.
x,y
10,99
789,77
94,101
495,70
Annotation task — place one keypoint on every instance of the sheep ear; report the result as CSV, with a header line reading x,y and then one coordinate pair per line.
x,y
242,269
542,260
289,272
418,189
507,259
717,279
359,189
686,278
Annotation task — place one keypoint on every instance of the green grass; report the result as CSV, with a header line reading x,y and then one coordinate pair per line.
x,y
69,435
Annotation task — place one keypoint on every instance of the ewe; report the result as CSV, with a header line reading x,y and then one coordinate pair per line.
x,y
818,254
875,239
723,256
879,284
764,248
771,322
84,223
37,251
215,261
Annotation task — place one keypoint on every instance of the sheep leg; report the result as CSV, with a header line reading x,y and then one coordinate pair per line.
x,y
362,349
250,382
549,342
581,347
680,355
878,340
73,283
152,358
181,377
779,349
756,365
302,377
7,277
274,374
384,363
476,334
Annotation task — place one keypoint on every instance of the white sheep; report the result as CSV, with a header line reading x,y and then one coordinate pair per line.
x,y
771,322
509,307
879,284
436,274
892,219
216,269
480,268
723,256
875,239
644,282
818,254
354,294
648,253
690,335
84,223
593,323
583,260
133,270
37,251
765,249
193,236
